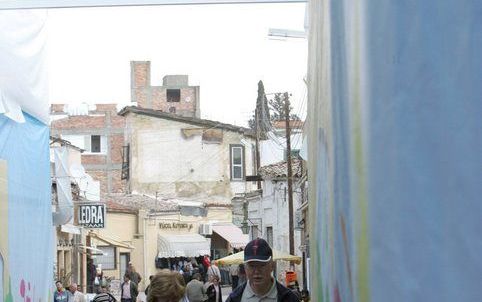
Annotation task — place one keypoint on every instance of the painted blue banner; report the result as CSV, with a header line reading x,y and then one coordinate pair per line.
x,y
395,113
26,236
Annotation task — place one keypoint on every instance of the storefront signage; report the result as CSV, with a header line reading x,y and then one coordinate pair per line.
x,y
92,216
175,225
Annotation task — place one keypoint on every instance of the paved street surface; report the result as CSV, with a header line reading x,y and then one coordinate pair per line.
x,y
226,290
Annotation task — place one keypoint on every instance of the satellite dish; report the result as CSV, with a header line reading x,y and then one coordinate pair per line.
x,y
187,99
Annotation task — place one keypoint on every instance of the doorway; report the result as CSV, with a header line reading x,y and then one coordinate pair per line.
x,y
125,258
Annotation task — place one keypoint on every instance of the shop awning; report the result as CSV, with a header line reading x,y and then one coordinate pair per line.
x,y
110,241
238,258
232,234
184,245
94,251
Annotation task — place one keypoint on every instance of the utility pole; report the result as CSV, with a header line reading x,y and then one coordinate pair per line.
x,y
258,164
290,172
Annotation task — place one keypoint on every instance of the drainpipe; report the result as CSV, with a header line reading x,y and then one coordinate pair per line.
x,y
144,240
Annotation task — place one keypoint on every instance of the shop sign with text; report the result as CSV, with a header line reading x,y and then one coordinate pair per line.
x,y
92,216
176,225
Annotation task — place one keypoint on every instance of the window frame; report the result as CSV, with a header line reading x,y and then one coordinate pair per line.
x,y
176,99
114,248
100,143
270,235
232,165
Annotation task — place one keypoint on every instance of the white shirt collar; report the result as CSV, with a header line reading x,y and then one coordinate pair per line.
x,y
272,293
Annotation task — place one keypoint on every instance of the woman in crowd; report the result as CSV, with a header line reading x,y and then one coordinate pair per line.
x,y
166,286
214,290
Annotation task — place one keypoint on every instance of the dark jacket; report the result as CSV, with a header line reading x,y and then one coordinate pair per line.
x,y
134,291
284,294
211,293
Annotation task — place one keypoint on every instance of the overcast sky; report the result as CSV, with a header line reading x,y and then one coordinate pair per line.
x,y
224,49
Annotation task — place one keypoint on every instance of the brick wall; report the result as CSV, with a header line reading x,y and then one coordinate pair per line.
x,y
103,120
79,122
154,97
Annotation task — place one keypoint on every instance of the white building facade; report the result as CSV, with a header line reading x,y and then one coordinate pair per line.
x,y
268,216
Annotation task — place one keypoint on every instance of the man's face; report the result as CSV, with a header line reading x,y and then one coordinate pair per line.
x,y
59,285
73,288
259,274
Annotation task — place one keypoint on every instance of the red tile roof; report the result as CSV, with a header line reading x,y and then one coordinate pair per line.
x,y
280,169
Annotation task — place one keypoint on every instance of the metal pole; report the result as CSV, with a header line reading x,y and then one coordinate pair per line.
x,y
48,4
258,157
290,172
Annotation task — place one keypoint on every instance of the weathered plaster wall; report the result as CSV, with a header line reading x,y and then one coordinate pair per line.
x,y
122,227
166,162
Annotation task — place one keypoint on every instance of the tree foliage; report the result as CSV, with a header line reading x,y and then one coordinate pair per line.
x,y
270,110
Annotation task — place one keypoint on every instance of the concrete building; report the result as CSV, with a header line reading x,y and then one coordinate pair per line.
x,y
186,157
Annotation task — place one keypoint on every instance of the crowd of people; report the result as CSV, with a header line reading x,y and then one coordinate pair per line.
x,y
192,280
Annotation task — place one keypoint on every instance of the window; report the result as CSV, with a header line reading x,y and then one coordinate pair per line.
x,y
237,162
173,95
108,259
254,231
90,143
269,235
95,144
124,260
295,153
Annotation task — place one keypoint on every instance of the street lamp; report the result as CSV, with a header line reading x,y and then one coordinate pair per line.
x,y
245,227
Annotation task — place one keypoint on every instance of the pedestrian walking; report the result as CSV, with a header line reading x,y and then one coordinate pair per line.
x,y
60,295
104,295
195,289
75,295
166,286
225,277
91,273
233,271
129,290
214,290
146,291
261,286
99,279
134,276
241,274
213,270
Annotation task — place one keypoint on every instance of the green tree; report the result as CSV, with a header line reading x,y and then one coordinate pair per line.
x,y
278,110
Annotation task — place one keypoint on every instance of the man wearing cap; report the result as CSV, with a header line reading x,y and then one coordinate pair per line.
x,y
261,286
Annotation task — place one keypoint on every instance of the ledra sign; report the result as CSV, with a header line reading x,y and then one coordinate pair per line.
x,y
92,216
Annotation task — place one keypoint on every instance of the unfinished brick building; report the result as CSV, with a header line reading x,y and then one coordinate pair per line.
x,y
174,96
99,130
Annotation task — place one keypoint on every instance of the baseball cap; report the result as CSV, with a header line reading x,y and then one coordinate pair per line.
x,y
258,250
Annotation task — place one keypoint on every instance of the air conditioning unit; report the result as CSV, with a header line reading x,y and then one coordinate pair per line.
x,y
205,229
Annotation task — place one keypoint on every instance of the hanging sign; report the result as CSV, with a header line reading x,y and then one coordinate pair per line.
x,y
92,216
175,225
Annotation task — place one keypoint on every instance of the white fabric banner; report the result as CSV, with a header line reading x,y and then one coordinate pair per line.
x,y
23,74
